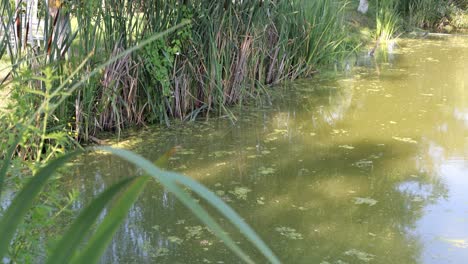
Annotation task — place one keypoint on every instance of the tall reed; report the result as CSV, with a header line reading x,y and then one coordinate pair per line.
x,y
228,54
387,20
117,200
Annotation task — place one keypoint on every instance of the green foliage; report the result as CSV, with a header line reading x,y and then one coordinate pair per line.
x,y
434,14
44,101
427,13
16,212
158,60
43,137
226,55
120,197
49,213
387,20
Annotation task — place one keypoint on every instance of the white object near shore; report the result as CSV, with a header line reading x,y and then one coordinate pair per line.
x,y
363,6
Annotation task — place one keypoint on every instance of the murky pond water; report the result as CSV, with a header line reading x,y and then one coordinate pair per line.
x,y
371,167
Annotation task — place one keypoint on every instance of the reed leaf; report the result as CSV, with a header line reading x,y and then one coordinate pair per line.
x,y
72,239
228,212
16,212
169,181
114,218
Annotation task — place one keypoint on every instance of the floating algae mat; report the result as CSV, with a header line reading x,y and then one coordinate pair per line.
x,y
367,167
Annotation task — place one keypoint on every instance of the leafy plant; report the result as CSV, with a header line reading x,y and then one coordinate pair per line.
x,y
387,20
227,55
118,199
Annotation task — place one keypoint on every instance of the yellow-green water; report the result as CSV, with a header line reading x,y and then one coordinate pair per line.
x,y
370,167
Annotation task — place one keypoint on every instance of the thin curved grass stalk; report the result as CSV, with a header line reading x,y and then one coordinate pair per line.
x,y
122,203
83,225
126,192
170,180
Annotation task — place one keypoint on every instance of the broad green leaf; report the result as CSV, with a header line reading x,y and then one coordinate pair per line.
x,y
115,216
75,235
168,180
15,213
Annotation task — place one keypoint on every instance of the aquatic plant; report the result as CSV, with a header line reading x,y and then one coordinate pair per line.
x,y
387,20
226,55
122,194
29,134
434,14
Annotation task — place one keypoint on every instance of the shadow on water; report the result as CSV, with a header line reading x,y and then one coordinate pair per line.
x,y
341,170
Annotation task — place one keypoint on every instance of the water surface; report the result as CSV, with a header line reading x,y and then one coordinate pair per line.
x,y
369,167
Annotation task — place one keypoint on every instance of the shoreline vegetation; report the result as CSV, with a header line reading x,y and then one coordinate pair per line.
x,y
84,67
229,53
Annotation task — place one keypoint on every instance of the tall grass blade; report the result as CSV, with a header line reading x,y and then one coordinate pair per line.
x,y
7,161
169,180
228,212
115,216
15,213
75,235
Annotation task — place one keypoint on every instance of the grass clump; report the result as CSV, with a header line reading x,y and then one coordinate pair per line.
x,y
228,53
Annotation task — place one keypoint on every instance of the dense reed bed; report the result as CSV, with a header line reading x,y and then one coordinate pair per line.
x,y
227,53
438,15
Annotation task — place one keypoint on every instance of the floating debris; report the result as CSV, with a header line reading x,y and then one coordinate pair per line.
x,y
205,242
367,200
270,139
281,131
303,171
363,163
338,131
405,139
432,59
261,200
185,151
240,192
175,240
266,171
363,256
193,231
289,232
376,156
219,154
161,252
346,146
300,208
